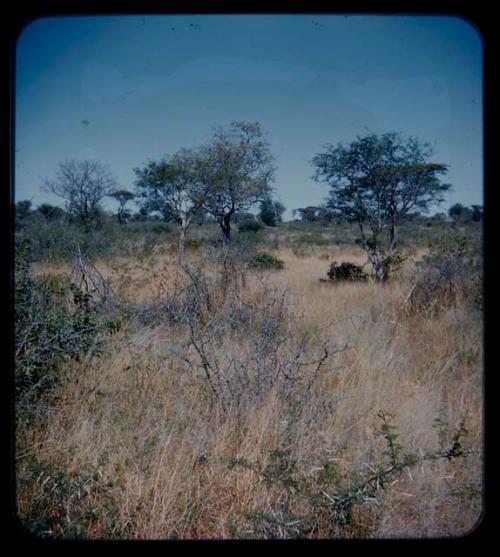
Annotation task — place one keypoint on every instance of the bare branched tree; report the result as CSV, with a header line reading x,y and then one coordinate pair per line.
x,y
83,184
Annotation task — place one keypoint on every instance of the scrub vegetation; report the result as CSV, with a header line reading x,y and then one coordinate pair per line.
x,y
179,378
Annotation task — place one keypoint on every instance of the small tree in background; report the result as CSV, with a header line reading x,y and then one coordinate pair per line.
x,y
477,213
376,180
237,169
309,214
123,197
271,212
173,185
459,213
22,212
83,184
51,212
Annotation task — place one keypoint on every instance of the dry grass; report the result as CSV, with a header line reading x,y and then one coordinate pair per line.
x,y
140,418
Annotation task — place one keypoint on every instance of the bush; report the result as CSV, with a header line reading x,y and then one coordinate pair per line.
x,y
263,260
249,226
54,321
451,272
331,498
346,272
160,228
68,506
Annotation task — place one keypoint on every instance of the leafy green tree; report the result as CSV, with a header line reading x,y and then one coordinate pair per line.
x,y
123,197
83,184
51,212
309,214
23,209
174,186
459,213
23,212
477,213
271,212
237,169
374,181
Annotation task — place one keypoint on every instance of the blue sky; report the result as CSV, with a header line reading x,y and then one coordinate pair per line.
x,y
124,89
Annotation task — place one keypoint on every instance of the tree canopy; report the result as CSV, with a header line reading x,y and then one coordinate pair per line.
x,y
123,197
377,179
271,212
237,169
83,184
173,186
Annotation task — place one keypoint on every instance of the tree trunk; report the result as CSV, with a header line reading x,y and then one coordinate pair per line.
x,y
392,236
374,254
182,240
225,224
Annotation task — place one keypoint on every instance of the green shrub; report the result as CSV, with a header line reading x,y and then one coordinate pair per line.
x,y
263,260
449,273
59,505
250,225
54,321
329,498
346,272
160,228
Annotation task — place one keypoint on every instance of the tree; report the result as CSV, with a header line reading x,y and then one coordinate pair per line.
x,y
309,214
459,213
83,184
51,212
23,212
376,180
23,209
237,169
477,213
271,212
173,186
123,197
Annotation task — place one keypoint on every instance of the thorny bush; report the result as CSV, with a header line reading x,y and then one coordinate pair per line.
x,y
243,341
55,320
449,273
346,272
306,506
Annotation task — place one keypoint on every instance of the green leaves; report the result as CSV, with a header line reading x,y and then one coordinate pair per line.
x,y
54,321
329,498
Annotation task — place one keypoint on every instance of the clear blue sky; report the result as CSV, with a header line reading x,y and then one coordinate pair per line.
x,y
124,89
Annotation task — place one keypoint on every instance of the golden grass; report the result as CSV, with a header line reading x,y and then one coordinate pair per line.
x,y
141,419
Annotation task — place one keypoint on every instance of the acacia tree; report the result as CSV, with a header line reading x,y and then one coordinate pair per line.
x,y
83,184
271,212
173,186
376,180
50,212
237,169
123,197
460,213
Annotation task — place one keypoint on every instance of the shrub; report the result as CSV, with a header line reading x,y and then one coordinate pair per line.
x,y
346,272
450,272
263,260
250,225
54,321
160,228
68,505
330,497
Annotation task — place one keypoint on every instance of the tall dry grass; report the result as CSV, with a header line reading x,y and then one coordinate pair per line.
x,y
139,423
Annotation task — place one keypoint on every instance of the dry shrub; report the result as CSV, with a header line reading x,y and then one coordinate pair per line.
x,y
235,408
346,272
449,275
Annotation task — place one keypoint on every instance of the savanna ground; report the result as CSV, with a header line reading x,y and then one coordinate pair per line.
x,y
227,401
